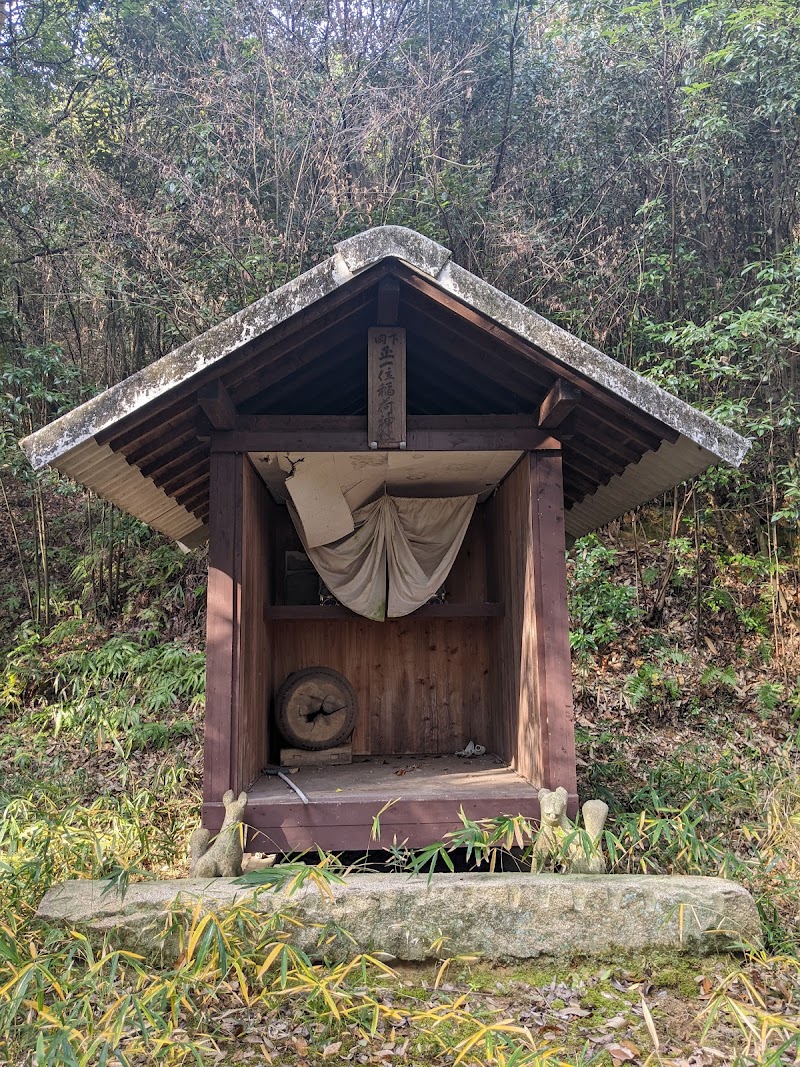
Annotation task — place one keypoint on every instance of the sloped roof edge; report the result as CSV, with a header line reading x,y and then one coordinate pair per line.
x,y
84,422
577,355
654,474
352,256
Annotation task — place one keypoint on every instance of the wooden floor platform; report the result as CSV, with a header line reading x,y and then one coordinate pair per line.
x,y
386,777
417,800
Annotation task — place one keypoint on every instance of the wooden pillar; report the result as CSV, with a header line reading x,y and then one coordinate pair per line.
x,y
532,719
550,658
238,652
255,647
223,636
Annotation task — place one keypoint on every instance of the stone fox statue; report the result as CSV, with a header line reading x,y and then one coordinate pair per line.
x,y
222,858
555,828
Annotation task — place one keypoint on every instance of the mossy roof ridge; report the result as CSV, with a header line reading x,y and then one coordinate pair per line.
x,y
351,256
74,443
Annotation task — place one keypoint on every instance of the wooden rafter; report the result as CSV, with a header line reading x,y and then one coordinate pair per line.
x,y
558,403
293,335
505,342
216,402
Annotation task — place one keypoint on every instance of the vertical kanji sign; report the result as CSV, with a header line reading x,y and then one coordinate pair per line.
x,y
386,386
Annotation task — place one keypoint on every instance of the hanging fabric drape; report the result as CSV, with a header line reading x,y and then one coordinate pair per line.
x,y
398,555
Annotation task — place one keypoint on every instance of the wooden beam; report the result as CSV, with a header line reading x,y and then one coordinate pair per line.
x,y
196,499
468,387
349,434
185,480
176,462
216,402
558,403
302,424
338,825
321,612
472,422
594,440
182,496
151,430
602,425
285,361
386,387
199,510
480,440
290,337
293,424
169,447
464,343
578,483
388,302
337,362
598,465
286,441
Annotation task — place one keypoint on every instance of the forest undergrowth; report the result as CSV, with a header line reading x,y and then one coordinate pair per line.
x,y
628,171
688,726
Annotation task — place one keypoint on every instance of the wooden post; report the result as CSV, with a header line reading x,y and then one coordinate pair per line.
x,y
552,691
386,387
532,721
220,771
255,648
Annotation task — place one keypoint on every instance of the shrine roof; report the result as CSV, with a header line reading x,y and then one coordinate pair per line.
x,y
472,350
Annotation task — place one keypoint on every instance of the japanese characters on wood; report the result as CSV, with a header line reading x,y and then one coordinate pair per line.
x,y
386,385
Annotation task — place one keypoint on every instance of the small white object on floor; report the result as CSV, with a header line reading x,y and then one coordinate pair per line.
x,y
258,861
472,750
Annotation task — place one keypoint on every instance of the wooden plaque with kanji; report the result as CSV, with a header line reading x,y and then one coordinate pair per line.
x,y
386,386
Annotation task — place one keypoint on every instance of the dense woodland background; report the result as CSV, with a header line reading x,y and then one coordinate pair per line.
x,y
630,172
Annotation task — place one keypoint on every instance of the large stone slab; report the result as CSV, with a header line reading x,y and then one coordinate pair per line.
x,y
494,916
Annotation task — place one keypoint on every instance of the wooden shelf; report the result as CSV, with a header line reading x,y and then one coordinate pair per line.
x,y
311,612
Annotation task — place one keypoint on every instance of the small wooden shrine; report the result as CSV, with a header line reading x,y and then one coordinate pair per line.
x,y
385,457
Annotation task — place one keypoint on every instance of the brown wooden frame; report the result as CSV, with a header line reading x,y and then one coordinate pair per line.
x,y
432,433
348,825
526,612
528,573
238,658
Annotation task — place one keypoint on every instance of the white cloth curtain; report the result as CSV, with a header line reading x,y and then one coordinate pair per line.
x,y
398,555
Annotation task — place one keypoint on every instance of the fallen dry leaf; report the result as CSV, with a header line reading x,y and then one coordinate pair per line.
x,y
615,1023
621,1052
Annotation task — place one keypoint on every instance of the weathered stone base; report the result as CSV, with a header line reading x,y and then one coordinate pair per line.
x,y
493,916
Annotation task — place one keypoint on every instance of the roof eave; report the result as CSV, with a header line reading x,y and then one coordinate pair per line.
x,y
656,473
702,440
66,433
